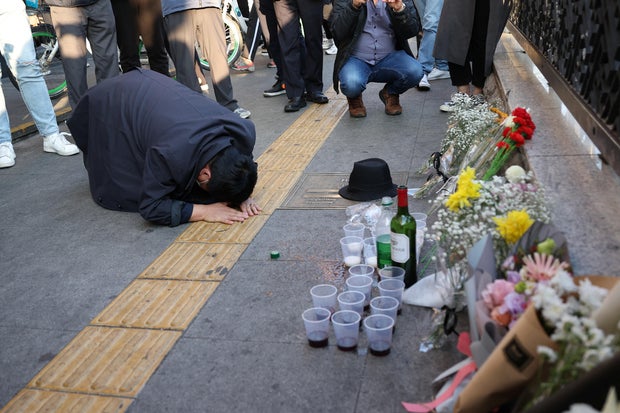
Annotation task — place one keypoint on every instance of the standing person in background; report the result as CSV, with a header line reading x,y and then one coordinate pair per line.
x,y
135,18
328,42
273,47
372,40
188,21
433,69
17,48
467,36
302,69
74,21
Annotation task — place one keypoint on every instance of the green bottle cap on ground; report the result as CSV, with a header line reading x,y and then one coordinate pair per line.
x,y
275,255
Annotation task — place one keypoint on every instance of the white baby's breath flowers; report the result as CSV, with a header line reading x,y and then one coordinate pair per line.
x,y
548,353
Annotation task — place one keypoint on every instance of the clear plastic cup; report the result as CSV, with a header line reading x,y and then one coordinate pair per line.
x,y
352,300
362,269
352,250
378,328
370,251
385,305
354,229
316,321
324,296
392,272
362,284
392,287
346,329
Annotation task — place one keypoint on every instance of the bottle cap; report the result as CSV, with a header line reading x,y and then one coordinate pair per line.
x,y
275,255
386,200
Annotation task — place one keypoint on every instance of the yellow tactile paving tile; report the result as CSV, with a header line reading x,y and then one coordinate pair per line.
x,y
194,261
273,187
165,304
40,401
272,160
106,361
239,233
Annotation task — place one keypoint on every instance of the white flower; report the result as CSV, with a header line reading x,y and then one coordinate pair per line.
x,y
515,174
548,353
581,408
509,122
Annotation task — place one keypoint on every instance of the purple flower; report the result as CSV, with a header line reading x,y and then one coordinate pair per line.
x,y
515,303
513,276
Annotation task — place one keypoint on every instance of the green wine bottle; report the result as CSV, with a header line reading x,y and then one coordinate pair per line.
x,y
403,239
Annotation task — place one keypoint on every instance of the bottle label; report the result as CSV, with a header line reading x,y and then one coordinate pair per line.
x,y
400,248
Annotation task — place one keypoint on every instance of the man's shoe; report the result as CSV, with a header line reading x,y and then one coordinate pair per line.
x,y
57,143
243,65
272,64
478,99
391,102
7,155
277,89
317,97
356,107
327,43
332,50
243,113
437,74
294,104
424,86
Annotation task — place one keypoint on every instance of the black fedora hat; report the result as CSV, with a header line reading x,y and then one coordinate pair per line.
x,y
369,180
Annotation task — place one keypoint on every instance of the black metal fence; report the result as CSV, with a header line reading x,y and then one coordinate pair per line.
x,y
576,45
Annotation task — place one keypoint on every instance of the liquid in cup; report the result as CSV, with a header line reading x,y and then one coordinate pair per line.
x,y
378,329
346,329
316,321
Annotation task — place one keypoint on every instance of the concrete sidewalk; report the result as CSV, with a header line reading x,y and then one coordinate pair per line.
x,y
241,345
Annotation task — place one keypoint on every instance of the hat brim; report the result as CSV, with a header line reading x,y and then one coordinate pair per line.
x,y
346,193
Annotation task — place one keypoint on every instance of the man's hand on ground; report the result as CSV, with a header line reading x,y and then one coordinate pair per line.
x,y
250,207
218,212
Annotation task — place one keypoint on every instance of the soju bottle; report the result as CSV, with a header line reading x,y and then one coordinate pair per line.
x,y
383,233
403,230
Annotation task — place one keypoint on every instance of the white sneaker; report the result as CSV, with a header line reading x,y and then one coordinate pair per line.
x,y
424,85
243,113
458,99
7,155
327,43
437,74
57,143
332,50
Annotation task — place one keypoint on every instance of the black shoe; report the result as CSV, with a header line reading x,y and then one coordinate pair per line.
x,y
277,89
294,104
317,97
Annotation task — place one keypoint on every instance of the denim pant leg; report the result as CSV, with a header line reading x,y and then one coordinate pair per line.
x,y
430,21
399,71
354,77
18,50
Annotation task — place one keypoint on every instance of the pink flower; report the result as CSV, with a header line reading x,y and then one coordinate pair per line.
x,y
494,293
541,267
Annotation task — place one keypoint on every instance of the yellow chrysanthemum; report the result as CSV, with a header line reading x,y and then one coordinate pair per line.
x,y
513,225
466,189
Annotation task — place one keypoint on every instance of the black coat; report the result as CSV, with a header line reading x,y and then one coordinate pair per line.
x,y
347,23
145,137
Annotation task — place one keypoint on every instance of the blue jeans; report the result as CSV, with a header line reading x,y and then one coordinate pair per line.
x,y
18,50
399,71
429,10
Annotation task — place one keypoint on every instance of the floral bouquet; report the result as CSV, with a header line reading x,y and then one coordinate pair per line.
x,y
517,129
554,341
470,127
498,207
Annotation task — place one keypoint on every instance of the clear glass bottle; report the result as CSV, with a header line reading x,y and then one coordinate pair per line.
x,y
403,238
383,231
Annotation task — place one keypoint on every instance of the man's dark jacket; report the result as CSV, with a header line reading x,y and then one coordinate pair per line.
x,y
145,137
347,23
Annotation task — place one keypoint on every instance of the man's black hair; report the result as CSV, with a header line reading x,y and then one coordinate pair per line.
x,y
233,176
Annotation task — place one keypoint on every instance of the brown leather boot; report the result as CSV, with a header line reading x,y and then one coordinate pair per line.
x,y
356,107
391,102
